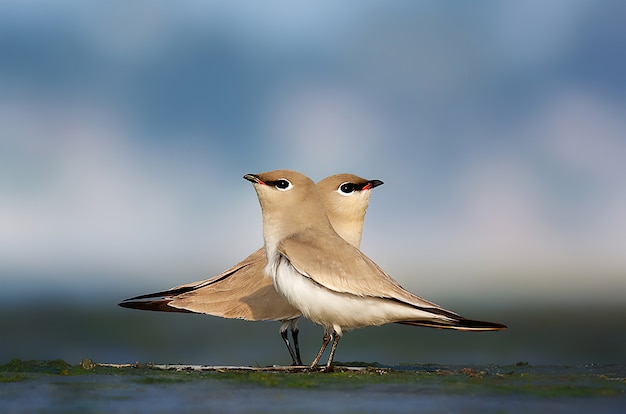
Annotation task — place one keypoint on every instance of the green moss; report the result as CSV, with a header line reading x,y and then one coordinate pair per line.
x,y
57,366
161,379
358,364
501,380
6,377
345,379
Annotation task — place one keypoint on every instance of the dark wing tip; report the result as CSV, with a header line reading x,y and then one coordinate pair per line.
x,y
481,325
163,294
161,305
460,324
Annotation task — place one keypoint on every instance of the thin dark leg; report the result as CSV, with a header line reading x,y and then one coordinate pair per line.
x,y
283,334
294,334
325,342
336,338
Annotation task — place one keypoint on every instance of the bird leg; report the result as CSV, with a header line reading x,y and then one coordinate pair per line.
x,y
325,342
294,360
336,338
294,334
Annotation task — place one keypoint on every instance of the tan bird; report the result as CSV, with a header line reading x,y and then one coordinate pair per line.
x,y
330,281
244,291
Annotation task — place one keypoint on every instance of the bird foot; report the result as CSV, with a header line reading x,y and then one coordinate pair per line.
x,y
321,368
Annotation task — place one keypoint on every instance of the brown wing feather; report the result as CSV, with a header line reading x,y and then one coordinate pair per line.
x,y
360,276
340,267
241,292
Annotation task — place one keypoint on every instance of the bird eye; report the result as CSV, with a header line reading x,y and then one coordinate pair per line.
x,y
282,184
346,188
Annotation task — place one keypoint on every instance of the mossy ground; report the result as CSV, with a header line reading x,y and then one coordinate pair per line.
x,y
518,379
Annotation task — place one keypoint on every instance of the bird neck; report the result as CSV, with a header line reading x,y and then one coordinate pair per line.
x,y
349,230
278,226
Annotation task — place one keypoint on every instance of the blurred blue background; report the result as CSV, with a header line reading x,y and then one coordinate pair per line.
x,y
499,128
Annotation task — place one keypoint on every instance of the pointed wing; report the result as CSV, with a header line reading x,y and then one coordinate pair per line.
x,y
242,292
336,265
460,324
189,287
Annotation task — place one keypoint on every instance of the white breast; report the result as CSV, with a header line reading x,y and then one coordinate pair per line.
x,y
339,310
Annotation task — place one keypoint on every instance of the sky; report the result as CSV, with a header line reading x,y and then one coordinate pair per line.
x,y
498,127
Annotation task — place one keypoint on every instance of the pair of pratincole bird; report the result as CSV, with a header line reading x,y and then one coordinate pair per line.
x,y
310,266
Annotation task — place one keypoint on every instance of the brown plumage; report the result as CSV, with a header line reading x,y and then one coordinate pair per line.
x,y
244,291
330,281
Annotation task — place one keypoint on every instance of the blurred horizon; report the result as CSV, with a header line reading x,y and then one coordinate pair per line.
x,y
540,335
498,128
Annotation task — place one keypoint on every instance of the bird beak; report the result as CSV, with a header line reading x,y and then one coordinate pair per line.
x,y
253,178
371,184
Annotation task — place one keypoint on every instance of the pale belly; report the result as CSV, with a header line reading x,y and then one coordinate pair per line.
x,y
341,311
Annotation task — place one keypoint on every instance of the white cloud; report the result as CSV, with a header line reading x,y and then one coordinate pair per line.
x,y
103,202
509,226
318,128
